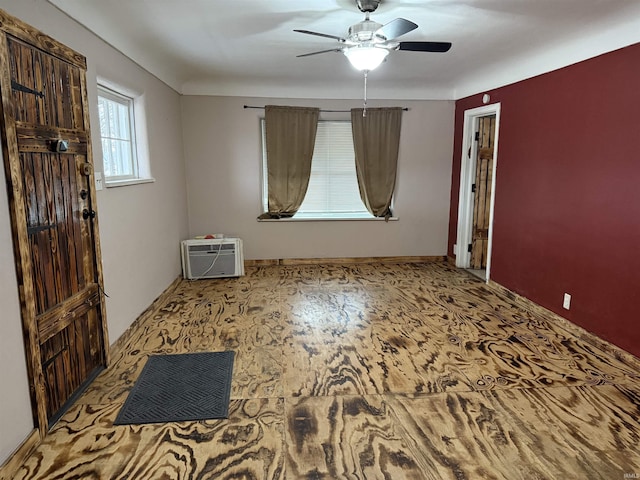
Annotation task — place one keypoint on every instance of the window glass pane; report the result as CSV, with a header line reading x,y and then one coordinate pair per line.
x,y
116,130
333,186
107,157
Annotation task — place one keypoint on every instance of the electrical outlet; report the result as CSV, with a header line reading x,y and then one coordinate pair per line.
x,y
566,303
98,179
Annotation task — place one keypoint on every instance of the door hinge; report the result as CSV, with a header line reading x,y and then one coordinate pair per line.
x,y
473,188
469,248
22,88
52,358
477,136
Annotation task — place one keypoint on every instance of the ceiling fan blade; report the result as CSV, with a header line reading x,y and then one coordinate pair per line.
x,y
436,47
318,53
317,34
396,28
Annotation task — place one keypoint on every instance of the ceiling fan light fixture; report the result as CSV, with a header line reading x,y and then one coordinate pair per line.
x,y
366,57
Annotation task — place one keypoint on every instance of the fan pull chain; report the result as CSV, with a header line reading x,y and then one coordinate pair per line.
x,y
364,109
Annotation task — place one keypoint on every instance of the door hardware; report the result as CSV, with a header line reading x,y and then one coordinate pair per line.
x,y
39,228
59,146
55,355
84,194
88,214
23,88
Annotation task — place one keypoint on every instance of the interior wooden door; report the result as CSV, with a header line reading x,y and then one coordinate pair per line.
x,y
47,156
485,137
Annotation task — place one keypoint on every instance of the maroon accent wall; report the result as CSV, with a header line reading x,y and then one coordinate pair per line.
x,y
567,200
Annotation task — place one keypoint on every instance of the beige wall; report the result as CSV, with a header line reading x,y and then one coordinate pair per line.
x,y
223,155
15,411
140,225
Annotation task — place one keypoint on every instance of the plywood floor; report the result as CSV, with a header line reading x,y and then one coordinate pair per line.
x,y
362,372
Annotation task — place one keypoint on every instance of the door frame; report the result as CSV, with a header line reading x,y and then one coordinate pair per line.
x,y
467,177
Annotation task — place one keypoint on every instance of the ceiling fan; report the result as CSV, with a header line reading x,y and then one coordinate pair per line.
x,y
368,43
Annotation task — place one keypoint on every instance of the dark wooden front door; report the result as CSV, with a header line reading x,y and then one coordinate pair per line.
x,y
482,197
47,156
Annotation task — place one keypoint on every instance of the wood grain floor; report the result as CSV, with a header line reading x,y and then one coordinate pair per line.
x,y
415,371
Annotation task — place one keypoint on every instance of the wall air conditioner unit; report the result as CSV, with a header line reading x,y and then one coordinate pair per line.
x,y
212,258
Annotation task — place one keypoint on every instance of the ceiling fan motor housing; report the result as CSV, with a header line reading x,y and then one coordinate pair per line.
x,y
365,31
367,6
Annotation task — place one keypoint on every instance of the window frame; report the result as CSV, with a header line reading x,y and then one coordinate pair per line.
x,y
301,215
111,94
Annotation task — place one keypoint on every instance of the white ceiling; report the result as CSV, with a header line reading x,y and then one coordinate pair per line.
x,y
249,48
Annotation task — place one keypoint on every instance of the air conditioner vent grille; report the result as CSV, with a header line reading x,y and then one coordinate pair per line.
x,y
215,258
209,247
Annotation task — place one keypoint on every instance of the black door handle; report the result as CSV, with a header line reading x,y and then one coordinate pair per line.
x,y
88,214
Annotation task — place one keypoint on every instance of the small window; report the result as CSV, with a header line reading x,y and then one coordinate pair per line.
x,y
118,135
333,191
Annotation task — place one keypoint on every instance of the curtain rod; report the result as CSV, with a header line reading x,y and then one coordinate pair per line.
x,y
405,109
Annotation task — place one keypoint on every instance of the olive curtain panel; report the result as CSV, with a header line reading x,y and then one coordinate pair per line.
x,y
290,137
376,141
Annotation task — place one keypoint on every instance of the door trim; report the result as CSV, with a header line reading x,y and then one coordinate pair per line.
x,y
467,176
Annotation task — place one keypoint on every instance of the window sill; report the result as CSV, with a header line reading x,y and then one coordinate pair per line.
x,y
307,219
124,183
